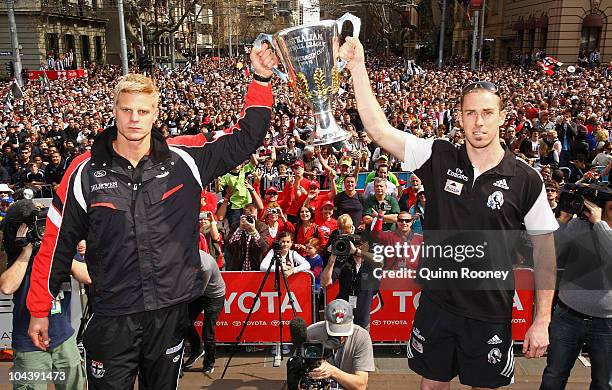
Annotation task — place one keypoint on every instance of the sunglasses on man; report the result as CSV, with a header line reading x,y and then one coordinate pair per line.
x,y
404,220
486,85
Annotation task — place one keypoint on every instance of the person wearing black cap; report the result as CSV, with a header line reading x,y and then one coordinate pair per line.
x,y
472,189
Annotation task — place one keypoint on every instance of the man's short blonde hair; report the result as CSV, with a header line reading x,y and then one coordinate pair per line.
x,y
136,83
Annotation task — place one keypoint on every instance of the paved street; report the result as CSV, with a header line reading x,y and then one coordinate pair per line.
x,y
254,371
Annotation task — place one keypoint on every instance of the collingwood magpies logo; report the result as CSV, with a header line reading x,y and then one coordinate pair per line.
x,y
495,201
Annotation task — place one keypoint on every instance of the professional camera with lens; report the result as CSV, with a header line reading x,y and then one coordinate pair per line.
x,y
312,355
25,211
341,246
250,219
572,196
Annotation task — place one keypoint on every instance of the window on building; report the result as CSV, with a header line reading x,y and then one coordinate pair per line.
x,y
99,51
85,50
591,32
69,43
519,40
531,40
52,44
494,7
543,38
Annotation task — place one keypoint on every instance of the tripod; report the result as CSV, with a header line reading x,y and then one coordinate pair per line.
x,y
276,263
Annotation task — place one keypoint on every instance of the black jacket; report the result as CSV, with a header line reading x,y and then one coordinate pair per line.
x,y
140,223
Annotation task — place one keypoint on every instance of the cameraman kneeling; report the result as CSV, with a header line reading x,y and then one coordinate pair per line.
x,y
584,310
351,363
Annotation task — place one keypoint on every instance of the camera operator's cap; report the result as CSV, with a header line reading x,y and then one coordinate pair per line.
x,y
272,190
298,163
383,157
313,184
347,162
5,188
339,318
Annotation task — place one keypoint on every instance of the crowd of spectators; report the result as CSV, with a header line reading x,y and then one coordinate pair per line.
x,y
560,124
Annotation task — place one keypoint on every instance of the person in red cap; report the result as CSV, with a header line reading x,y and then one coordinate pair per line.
x,y
270,197
315,199
327,223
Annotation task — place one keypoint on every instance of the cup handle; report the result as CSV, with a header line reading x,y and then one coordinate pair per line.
x,y
261,38
356,22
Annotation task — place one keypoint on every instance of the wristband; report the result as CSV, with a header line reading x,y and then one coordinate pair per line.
x,y
261,78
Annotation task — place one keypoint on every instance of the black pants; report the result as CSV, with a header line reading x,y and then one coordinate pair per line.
x,y
148,344
211,308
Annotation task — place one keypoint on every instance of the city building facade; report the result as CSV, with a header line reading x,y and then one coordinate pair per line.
x,y
560,28
57,29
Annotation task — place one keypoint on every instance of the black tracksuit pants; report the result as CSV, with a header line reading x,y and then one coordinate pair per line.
x,y
211,308
148,344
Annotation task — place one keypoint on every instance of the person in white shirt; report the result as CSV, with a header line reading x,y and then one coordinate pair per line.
x,y
292,262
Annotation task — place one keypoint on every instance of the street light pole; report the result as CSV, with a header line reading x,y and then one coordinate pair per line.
x,y
229,31
123,42
14,41
474,39
442,34
172,54
195,30
482,24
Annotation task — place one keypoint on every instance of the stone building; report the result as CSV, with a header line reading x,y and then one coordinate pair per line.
x,y
562,28
53,28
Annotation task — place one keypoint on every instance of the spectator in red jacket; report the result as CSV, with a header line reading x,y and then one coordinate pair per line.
x,y
295,191
409,195
326,221
305,230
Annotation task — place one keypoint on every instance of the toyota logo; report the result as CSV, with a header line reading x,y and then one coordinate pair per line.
x,y
236,323
376,322
275,322
100,173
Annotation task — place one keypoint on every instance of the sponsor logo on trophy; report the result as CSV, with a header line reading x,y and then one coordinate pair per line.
x,y
309,55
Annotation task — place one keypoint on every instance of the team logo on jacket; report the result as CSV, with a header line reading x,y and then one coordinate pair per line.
x,y
495,201
97,369
100,173
494,356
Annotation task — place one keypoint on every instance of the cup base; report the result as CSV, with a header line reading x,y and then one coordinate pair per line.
x,y
331,138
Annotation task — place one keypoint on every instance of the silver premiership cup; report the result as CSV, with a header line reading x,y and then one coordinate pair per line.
x,y
309,55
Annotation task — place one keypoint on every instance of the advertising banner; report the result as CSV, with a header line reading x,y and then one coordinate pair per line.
x,y
241,289
391,319
57,74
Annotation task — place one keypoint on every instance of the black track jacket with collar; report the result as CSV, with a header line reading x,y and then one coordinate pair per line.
x,y
140,223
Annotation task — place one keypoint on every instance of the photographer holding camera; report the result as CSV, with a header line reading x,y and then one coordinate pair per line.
x,y
584,309
350,364
354,274
23,230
